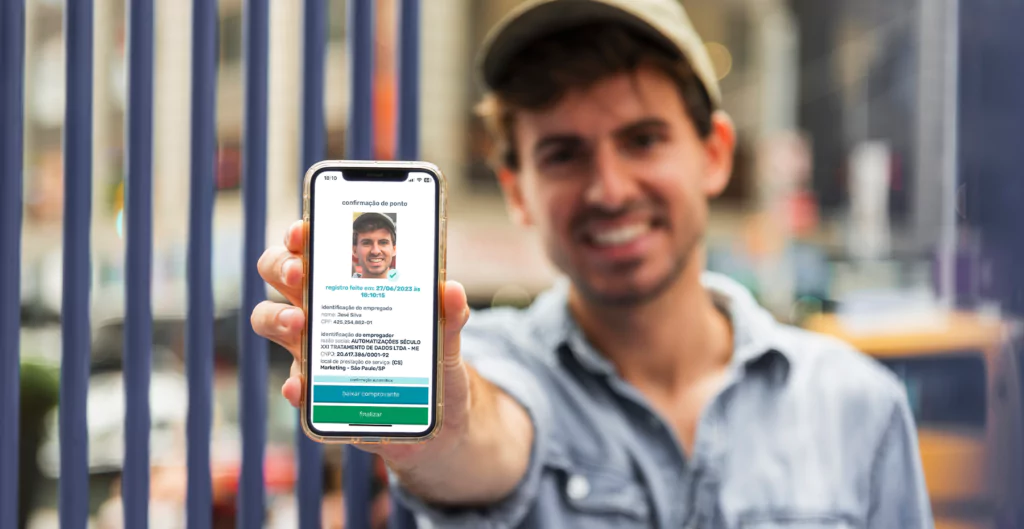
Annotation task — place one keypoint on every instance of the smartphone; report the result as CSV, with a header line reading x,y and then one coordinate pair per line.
x,y
372,350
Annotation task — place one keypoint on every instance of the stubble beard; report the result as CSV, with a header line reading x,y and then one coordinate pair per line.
x,y
636,298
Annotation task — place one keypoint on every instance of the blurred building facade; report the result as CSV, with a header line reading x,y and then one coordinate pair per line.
x,y
843,111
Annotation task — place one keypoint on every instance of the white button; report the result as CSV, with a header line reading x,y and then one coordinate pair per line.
x,y
578,487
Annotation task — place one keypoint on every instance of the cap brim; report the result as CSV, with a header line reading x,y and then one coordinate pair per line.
x,y
374,214
538,19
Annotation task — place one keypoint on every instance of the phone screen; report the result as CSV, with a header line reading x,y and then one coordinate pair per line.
x,y
372,302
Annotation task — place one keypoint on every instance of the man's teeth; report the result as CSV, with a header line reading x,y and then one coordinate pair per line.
x,y
377,260
620,235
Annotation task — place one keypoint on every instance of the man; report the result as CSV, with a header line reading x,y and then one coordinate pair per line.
x,y
639,391
373,245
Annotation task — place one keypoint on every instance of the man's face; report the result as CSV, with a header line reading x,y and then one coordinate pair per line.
x,y
617,180
374,250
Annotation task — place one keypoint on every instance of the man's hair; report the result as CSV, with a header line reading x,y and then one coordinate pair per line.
x,y
364,225
541,74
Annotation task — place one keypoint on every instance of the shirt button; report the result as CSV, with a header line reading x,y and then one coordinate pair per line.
x,y
578,487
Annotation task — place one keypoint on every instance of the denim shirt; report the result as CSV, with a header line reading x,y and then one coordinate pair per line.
x,y
806,433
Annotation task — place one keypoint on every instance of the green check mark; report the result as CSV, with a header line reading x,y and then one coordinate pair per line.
x,y
392,274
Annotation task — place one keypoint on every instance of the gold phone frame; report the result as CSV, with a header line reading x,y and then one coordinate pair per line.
x,y
442,228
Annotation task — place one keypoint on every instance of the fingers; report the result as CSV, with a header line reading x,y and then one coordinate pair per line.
x,y
282,269
294,237
292,391
293,388
281,323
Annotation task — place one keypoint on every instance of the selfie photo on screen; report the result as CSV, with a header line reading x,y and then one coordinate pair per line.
x,y
374,240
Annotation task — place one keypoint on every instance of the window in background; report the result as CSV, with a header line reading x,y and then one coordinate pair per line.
x,y
947,391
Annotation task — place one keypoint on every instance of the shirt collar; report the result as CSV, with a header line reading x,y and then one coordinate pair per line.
x,y
755,331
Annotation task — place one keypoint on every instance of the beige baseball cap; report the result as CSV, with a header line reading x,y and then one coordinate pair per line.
x,y
665,21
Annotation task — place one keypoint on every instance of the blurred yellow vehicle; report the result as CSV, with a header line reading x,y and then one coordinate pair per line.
x,y
964,384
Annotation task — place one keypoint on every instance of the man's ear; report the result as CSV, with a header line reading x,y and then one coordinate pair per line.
x,y
513,192
720,147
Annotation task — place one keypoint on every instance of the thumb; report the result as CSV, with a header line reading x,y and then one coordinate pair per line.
x,y
456,314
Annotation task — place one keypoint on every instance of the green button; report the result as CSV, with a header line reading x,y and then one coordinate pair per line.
x,y
370,414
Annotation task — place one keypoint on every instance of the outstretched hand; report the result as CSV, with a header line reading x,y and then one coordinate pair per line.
x,y
284,323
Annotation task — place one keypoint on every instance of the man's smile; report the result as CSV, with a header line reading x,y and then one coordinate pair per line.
x,y
615,236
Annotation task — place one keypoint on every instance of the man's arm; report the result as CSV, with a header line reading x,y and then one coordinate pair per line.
x,y
500,462
899,497
484,464
484,447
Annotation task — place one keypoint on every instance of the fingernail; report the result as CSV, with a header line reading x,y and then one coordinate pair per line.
x,y
285,318
286,277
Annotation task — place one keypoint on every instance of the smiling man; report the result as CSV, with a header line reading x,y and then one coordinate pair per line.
x,y
639,391
373,245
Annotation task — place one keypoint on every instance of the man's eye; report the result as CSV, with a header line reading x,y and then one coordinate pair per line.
x,y
560,156
644,140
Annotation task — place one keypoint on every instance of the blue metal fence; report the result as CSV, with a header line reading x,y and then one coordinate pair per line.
x,y
75,335
199,327
138,321
310,454
253,349
74,471
12,71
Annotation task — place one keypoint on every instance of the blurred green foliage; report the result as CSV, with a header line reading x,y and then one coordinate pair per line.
x,y
40,392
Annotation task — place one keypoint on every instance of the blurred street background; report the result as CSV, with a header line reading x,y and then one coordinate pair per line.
x,y
876,194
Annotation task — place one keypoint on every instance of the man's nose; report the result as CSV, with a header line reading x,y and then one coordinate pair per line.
x,y
611,185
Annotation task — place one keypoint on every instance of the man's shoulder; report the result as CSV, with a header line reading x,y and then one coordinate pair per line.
x,y
510,330
828,368
821,366
842,398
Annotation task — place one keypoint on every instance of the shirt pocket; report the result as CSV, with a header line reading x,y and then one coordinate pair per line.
x,y
602,498
798,520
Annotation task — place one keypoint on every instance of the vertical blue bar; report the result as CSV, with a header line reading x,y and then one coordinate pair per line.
x,y
12,97
75,333
314,53
138,323
199,331
253,351
357,464
408,143
409,80
360,44
311,455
